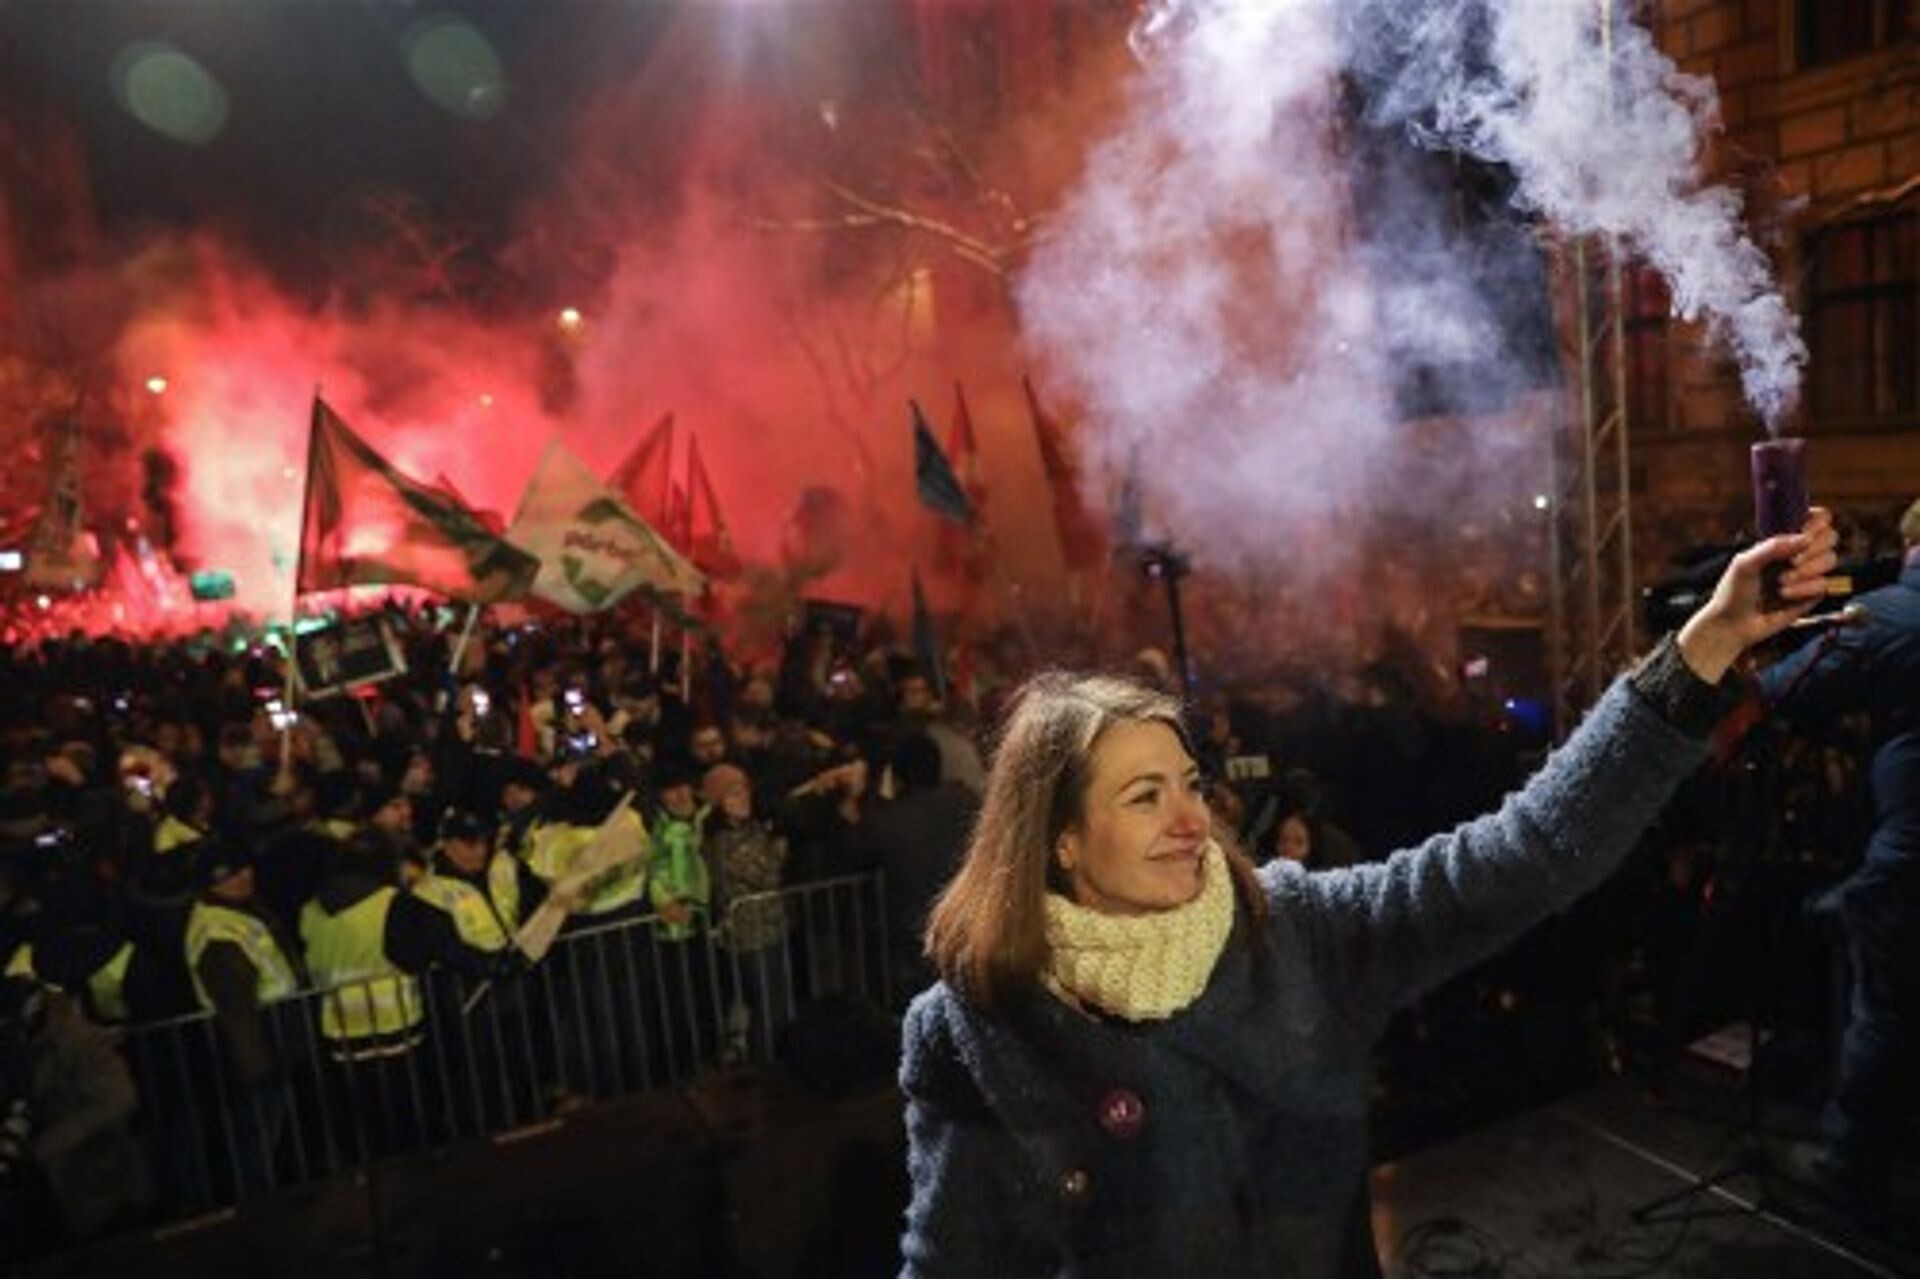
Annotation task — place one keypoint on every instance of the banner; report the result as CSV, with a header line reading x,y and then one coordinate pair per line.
x,y
594,551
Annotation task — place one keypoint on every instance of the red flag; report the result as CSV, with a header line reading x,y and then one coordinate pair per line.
x,y
962,552
366,524
708,544
676,526
642,479
1080,541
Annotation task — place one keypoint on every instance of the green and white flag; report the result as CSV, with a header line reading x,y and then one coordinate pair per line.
x,y
594,551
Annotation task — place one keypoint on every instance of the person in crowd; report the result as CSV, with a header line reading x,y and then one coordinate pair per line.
x,y
1144,1057
746,859
916,839
242,960
66,1106
920,709
371,1008
79,948
706,745
1873,667
522,787
387,820
485,893
186,815
680,890
1302,833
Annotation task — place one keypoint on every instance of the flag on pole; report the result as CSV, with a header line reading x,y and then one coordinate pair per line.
x,y
594,551
641,479
940,490
678,524
926,642
1080,541
709,545
366,524
962,551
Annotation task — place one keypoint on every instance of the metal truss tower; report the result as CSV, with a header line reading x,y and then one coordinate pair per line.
x,y
1590,562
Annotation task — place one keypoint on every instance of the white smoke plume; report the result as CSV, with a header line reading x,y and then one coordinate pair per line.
x,y
1234,308
1605,135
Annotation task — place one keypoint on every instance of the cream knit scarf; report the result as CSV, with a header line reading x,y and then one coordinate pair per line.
x,y
1141,967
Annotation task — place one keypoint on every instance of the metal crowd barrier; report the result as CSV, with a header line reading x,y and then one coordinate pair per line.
x,y
614,1009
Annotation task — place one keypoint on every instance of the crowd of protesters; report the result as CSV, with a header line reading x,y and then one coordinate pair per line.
x,y
179,835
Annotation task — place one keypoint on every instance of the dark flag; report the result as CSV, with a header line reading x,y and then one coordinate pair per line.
x,y
940,490
367,524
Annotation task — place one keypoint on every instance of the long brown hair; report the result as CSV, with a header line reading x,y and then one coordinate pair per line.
x,y
987,934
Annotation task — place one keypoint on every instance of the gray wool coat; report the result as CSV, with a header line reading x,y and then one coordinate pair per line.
x,y
1231,1139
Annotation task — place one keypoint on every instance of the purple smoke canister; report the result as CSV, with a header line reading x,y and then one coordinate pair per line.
x,y
1779,498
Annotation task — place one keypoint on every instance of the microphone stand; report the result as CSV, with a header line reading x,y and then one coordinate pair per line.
x,y
1163,562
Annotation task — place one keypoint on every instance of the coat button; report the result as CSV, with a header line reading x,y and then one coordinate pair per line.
x,y
1073,1184
1122,1113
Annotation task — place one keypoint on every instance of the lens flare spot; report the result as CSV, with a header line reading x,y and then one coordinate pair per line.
x,y
169,92
454,65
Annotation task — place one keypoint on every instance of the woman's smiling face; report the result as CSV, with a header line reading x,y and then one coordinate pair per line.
x,y
1139,844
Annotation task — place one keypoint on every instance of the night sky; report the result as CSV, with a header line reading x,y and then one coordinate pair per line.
x,y
322,109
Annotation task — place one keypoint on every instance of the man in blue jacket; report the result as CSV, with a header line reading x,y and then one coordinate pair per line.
x,y
1873,667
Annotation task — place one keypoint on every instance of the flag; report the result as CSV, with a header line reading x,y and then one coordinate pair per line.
x,y
641,478
367,524
963,552
940,490
489,519
709,545
593,550
926,642
677,524
1079,539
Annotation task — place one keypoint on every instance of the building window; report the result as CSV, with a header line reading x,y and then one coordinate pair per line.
x,y
1861,289
1647,307
1828,31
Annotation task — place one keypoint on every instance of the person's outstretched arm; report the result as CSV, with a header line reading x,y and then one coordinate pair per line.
x,y
1389,930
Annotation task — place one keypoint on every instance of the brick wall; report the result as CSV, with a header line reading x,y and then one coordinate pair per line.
x,y
1804,144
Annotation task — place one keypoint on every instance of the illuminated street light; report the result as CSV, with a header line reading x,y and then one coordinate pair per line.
x,y
1540,502
157,385
570,320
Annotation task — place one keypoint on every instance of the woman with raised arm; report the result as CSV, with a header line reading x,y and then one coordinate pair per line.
x,y
1145,1058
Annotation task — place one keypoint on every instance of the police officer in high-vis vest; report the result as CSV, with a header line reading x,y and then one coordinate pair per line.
x,y
487,894
373,1006
78,948
242,961
479,898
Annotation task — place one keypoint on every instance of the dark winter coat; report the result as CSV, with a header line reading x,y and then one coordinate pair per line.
x,y
1231,1139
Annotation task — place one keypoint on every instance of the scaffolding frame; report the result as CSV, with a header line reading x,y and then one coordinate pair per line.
x,y
1591,604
